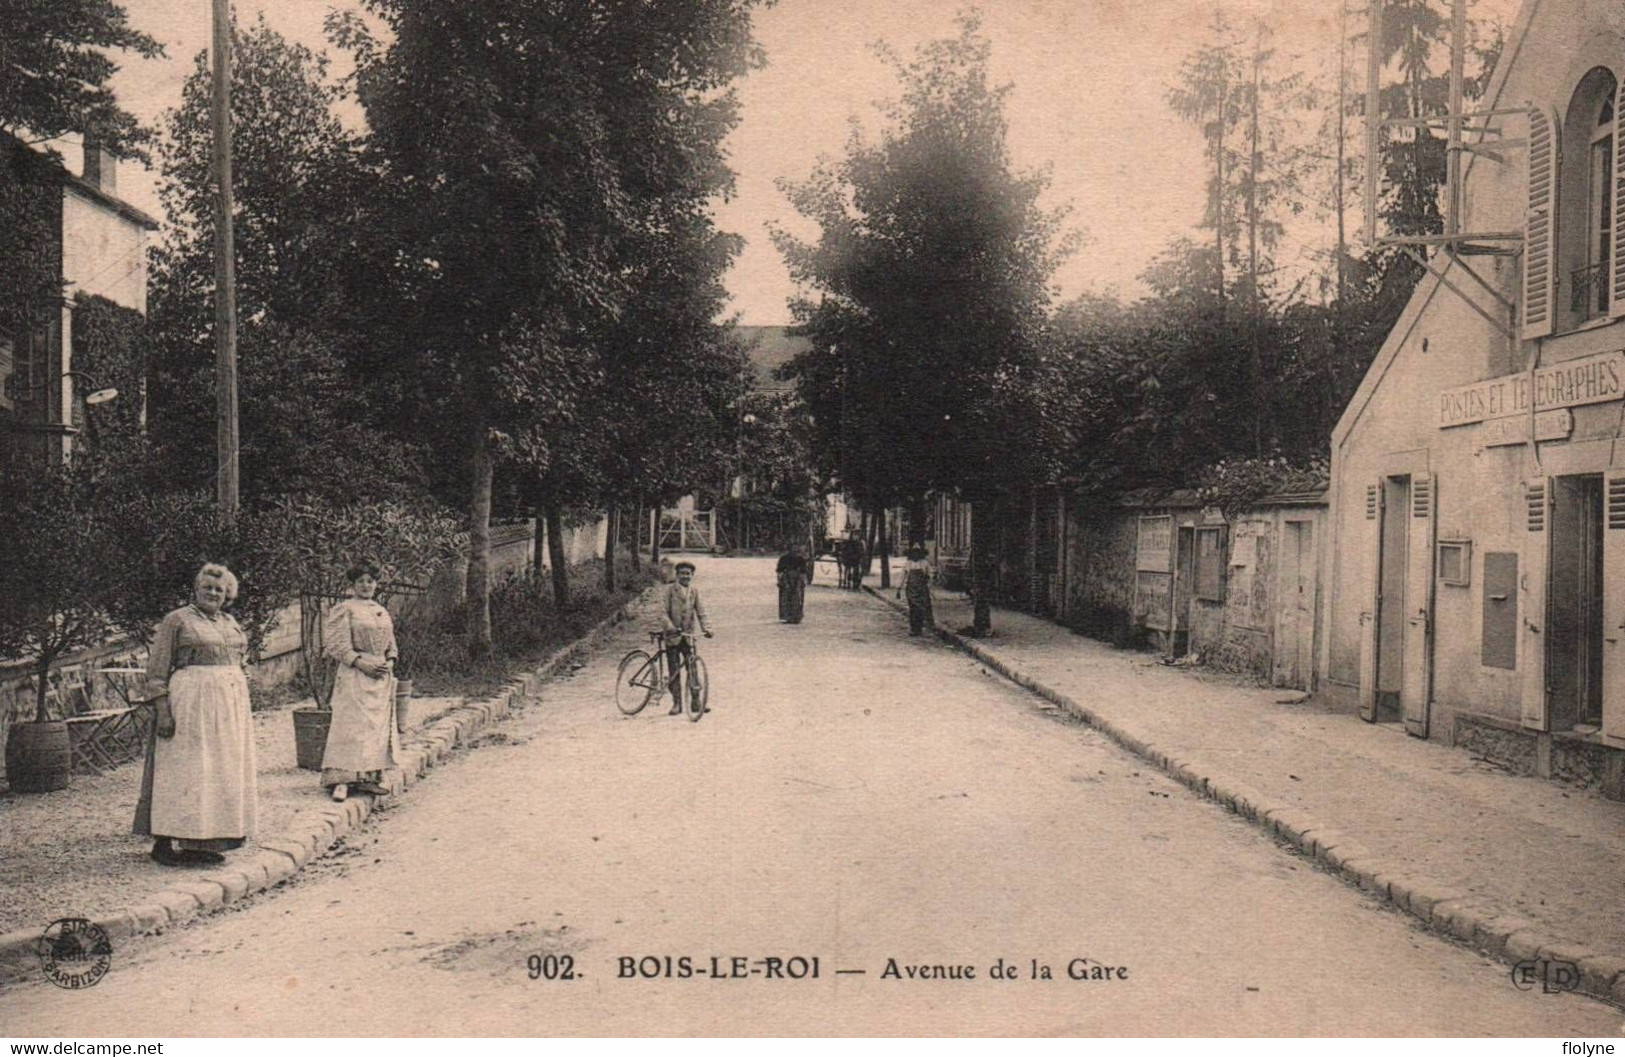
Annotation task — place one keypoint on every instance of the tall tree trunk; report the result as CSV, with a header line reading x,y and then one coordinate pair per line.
x,y
611,531
981,565
479,547
885,552
637,537
654,533
872,539
538,560
1033,587
555,554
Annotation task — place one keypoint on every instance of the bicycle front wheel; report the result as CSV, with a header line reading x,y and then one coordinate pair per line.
x,y
696,707
636,682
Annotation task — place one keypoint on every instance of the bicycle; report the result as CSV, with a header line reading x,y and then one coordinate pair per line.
x,y
642,677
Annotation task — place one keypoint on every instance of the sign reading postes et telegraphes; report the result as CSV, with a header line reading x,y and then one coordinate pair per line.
x,y
1588,380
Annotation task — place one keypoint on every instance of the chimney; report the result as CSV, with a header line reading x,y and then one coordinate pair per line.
x,y
101,168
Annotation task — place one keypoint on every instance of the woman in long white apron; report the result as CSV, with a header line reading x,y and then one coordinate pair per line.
x,y
362,739
200,787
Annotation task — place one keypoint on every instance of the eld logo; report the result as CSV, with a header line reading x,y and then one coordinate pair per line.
x,y
1553,977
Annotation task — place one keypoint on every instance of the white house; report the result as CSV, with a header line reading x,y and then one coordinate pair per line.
x,y
1477,565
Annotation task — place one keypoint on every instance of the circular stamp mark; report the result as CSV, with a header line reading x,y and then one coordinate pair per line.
x,y
75,953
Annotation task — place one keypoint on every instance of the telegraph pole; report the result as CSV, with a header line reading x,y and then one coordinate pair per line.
x,y
1373,121
225,269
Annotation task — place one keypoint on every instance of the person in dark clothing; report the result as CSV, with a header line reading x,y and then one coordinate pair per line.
x,y
792,573
917,589
852,563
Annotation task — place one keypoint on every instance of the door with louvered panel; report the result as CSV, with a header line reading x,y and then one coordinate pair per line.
x,y
1613,608
1532,591
1415,685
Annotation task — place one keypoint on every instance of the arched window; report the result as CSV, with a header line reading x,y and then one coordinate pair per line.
x,y
1586,198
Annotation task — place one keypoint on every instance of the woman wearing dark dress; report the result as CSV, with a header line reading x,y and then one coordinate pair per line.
x,y
792,572
917,589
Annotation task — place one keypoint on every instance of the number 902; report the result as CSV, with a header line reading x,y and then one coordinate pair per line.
x,y
551,966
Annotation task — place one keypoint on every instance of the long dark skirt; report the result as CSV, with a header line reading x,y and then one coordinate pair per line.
x,y
918,593
792,597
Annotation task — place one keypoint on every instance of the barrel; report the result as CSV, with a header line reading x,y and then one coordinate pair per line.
x,y
39,757
310,736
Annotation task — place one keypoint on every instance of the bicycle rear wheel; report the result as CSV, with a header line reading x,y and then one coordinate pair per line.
x,y
636,682
697,669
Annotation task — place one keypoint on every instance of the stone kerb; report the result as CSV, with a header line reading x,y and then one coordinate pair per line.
x,y
1443,910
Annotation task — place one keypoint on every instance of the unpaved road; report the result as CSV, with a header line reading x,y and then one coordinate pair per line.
x,y
856,796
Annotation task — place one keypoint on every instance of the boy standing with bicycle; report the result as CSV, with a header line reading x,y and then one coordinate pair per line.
x,y
680,611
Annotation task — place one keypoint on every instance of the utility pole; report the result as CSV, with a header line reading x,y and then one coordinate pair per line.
x,y
1373,120
225,273
1342,109
1255,162
1458,59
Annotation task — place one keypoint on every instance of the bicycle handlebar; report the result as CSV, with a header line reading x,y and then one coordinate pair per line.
x,y
661,635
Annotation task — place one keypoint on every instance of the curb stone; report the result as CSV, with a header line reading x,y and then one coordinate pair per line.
x,y
1500,935
312,833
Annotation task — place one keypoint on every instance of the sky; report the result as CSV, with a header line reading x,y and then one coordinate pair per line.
x,y
1089,82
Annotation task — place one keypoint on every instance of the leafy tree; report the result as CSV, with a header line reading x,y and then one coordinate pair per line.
x,y
54,69
64,566
314,417
933,266
1245,110
774,455
298,182
92,552
1209,94
501,124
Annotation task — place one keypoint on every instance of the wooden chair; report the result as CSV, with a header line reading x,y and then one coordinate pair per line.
x,y
102,739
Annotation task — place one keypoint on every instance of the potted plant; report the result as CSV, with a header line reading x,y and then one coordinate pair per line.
x,y
66,565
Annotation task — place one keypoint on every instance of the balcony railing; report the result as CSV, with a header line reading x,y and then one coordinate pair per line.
x,y
1588,295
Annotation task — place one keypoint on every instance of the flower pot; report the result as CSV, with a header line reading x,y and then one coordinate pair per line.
x,y
39,757
403,704
310,736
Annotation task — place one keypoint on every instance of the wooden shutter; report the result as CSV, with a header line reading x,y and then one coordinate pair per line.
x,y
1416,674
1616,300
1368,617
1532,643
1540,225
1613,608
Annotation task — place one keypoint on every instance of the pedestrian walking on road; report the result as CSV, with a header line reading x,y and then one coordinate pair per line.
x,y
362,739
851,554
792,573
199,790
917,589
681,611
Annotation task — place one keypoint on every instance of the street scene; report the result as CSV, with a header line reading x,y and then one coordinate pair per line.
x,y
744,518
856,796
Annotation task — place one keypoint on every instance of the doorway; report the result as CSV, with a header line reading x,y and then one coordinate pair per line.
x,y
1184,581
1393,561
1574,646
1295,632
